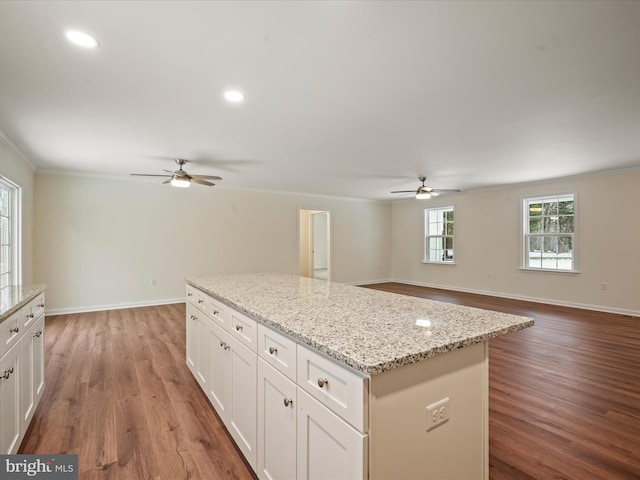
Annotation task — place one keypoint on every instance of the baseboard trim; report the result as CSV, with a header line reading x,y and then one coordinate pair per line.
x,y
525,298
119,306
371,282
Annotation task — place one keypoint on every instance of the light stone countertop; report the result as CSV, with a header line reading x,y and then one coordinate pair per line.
x,y
368,330
14,297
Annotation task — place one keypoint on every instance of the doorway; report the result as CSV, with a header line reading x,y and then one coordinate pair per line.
x,y
314,244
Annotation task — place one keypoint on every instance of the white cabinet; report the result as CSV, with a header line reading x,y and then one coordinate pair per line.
x,y
242,414
10,402
255,379
31,370
277,403
328,447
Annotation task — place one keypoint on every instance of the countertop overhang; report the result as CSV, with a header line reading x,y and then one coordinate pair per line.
x,y
14,297
369,330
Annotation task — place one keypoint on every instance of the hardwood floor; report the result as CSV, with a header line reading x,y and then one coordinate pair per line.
x,y
119,395
564,396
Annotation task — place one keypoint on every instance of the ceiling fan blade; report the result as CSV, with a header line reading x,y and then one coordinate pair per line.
x,y
201,181
168,180
168,171
207,177
444,190
404,191
148,175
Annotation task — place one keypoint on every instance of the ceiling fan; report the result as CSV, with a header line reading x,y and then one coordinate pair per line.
x,y
423,192
180,178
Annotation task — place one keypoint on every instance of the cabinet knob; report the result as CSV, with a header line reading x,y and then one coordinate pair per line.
x,y
224,345
200,302
273,350
322,382
189,294
41,305
238,328
30,315
216,312
287,402
14,330
38,333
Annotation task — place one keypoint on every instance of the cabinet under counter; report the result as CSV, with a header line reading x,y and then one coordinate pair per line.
x,y
381,360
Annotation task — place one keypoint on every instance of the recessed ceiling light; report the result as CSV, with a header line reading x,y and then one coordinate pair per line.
x,y
234,96
81,39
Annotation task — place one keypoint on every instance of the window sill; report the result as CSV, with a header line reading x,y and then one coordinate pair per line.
x,y
547,270
438,263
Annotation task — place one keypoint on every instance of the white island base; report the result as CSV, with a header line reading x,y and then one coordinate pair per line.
x,y
400,447
322,381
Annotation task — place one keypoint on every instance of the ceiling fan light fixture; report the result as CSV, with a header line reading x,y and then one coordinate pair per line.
x,y
180,182
423,193
234,96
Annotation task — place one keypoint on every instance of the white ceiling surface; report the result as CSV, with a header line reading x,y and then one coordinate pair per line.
x,y
342,98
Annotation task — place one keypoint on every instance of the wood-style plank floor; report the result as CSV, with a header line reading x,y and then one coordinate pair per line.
x,y
564,396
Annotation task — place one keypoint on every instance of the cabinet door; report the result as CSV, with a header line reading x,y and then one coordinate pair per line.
x,y
9,402
27,381
328,447
276,424
203,351
219,386
37,336
191,337
242,422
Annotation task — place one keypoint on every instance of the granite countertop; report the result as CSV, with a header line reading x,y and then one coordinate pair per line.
x,y
14,297
368,330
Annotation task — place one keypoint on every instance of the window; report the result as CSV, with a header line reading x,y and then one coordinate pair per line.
x,y
549,233
9,244
438,234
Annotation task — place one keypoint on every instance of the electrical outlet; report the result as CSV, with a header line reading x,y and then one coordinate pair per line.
x,y
605,286
153,282
437,413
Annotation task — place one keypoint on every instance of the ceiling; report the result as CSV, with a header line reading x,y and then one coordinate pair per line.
x,y
343,98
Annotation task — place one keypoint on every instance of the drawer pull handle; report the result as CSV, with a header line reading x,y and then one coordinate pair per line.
x,y
238,328
200,302
322,382
287,402
14,330
224,345
273,350
38,333
193,317
189,294
41,305
7,373
216,312
30,315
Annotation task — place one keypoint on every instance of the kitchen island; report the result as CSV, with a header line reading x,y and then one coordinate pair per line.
x,y
349,382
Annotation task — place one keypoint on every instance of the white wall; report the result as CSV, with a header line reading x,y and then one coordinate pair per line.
x,y
99,242
488,230
16,169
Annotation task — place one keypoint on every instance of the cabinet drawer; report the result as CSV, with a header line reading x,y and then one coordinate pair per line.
x,y
197,297
32,311
278,351
11,331
334,386
243,329
218,312
192,296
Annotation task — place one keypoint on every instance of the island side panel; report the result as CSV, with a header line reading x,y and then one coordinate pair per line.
x,y
400,445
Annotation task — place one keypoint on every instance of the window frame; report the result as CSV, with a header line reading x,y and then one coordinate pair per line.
x,y
525,234
426,236
15,226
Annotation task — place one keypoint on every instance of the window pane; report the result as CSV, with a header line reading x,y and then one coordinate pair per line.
x,y
565,207
550,224
566,224
535,225
4,201
449,215
550,207
449,229
449,243
535,209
